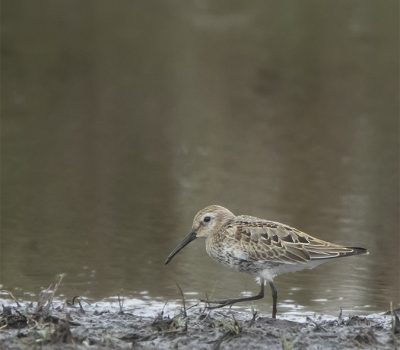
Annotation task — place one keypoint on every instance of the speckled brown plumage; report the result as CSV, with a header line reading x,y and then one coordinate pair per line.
x,y
260,247
267,241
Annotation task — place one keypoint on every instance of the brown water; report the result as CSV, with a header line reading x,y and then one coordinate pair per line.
x,y
119,122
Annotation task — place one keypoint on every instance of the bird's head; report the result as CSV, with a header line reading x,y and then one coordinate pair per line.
x,y
205,222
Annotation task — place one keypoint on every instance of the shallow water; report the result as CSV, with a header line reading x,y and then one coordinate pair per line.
x,y
119,325
119,123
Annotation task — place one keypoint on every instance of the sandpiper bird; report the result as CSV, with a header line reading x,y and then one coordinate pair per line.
x,y
260,247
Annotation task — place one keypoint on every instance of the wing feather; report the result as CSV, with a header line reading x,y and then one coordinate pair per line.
x,y
263,240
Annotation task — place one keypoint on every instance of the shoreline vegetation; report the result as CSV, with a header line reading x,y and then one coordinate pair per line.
x,y
53,323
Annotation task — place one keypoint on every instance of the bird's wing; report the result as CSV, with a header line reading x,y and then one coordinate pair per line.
x,y
263,240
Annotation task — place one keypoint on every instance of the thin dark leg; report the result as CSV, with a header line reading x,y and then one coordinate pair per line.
x,y
274,299
226,302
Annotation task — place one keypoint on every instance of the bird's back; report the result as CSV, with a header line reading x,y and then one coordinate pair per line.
x,y
251,244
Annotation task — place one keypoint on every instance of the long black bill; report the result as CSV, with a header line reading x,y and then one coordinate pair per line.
x,y
190,237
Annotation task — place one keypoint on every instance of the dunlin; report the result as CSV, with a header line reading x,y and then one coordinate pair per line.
x,y
263,248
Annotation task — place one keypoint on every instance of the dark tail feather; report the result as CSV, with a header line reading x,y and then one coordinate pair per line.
x,y
358,250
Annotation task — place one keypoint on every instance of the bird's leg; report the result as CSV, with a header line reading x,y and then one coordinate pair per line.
x,y
225,302
274,299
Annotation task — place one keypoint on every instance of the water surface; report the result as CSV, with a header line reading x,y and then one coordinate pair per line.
x,y
120,122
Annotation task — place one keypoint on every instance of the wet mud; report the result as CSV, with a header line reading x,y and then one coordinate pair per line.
x,y
149,324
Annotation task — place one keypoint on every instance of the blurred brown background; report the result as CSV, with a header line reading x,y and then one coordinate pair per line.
x,y
121,119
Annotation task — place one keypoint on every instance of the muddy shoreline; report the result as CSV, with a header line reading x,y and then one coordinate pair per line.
x,y
136,324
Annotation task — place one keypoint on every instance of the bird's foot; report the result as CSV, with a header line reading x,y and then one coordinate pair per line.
x,y
221,303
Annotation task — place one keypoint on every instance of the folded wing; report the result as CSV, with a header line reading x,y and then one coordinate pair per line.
x,y
263,240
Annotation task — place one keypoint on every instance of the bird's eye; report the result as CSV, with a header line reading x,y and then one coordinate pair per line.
x,y
207,219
